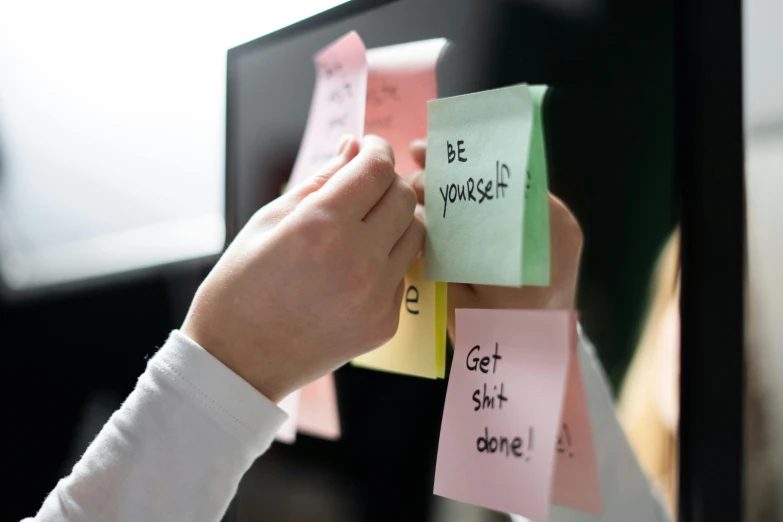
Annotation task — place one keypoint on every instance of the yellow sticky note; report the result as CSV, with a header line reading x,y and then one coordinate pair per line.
x,y
419,347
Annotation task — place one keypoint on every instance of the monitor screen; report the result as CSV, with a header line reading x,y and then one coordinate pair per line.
x,y
610,125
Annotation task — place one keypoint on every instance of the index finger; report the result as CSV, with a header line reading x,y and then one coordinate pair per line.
x,y
359,185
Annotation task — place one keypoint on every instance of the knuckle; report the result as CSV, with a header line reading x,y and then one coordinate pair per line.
x,y
359,280
318,179
408,194
320,235
259,217
378,144
380,166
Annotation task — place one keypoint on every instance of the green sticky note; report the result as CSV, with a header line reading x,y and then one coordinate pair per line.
x,y
535,251
486,189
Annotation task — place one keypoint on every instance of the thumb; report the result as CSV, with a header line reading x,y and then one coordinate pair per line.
x,y
347,150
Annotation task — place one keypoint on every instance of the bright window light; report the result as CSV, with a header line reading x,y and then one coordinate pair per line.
x,y
112,131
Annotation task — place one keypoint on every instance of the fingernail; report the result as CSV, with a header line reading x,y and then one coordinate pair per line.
x,y
342,145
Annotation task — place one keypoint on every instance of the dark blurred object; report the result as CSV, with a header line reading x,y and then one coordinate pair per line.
x,y
68,362
709,148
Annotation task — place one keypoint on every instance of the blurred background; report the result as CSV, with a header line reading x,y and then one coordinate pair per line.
x,y
113,207
763,111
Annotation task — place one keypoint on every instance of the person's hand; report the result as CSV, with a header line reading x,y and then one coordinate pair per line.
x,y
566,252
316,277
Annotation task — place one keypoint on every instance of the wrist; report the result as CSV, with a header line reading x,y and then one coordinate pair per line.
x,y
211,387
248,363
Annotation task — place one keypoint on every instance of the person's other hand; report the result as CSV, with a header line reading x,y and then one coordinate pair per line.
x,y
316,276
566,252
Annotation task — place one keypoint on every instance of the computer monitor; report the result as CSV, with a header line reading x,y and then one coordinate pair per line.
x,y
611,140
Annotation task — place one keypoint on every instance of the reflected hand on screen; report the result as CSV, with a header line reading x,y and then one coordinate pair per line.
x,y
566,252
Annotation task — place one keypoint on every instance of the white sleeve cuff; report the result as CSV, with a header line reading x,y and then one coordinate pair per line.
x,y
230,400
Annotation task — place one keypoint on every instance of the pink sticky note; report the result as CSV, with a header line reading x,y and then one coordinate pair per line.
x,y
401,80
576,483
502,411
338,103
318,414
311,410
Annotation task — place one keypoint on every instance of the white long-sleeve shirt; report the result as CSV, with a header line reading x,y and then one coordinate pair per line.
x,y
183,439
175,450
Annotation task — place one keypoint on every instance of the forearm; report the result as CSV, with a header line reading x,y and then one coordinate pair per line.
x,y
177,447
